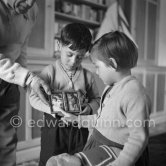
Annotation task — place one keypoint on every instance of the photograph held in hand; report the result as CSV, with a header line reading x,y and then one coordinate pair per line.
x,y
69,101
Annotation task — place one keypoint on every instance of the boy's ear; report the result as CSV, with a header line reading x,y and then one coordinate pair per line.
x,y
59,45
113,62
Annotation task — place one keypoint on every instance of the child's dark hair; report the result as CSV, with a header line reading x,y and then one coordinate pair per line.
x,y
77,36
118,46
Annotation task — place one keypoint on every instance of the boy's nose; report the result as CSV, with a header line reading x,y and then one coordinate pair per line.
x,y
97,72
30,2
73,60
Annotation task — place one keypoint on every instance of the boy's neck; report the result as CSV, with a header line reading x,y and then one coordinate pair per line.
x,y
121,75
70,73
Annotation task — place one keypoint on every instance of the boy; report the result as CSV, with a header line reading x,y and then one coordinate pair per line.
x,y
121,130
67,74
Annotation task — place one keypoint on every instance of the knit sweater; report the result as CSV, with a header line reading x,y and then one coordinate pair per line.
x,y
57,78
122,118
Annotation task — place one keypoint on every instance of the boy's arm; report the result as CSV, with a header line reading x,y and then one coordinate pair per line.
x,y
93,96
92,93
137,113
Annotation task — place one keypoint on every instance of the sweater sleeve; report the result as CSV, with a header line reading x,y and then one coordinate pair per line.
x,y
93,93
12,72
136,109
15,72
35,101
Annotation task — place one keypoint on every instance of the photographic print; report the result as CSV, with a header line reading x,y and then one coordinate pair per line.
x,y
69,101
57,100
73,102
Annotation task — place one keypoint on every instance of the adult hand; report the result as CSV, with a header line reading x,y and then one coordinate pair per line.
x,y
22,6
86,110
35,83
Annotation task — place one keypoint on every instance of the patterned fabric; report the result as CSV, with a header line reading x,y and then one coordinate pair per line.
x,y
104,155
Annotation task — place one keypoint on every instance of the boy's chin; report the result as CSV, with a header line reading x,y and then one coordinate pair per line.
x,y
64,160
21,11
72,68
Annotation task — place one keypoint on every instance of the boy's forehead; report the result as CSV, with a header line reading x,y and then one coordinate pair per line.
x,y
68,49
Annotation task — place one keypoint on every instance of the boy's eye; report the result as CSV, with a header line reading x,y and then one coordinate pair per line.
x,y
79,57
70,55
95,66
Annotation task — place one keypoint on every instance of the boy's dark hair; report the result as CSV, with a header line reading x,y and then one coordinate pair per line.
x,y
118,46
77,36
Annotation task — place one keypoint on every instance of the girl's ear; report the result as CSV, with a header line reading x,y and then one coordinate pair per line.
x,y
113,63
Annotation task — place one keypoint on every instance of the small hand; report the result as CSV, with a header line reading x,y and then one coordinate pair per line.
x,y
86,110
59,111
69,118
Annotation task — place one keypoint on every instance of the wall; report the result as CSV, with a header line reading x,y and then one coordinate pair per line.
x,y
162,34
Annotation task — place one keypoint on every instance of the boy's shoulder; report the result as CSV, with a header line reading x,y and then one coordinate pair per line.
x,y
54,64
51,68
134,92
134,84
133,88
87,72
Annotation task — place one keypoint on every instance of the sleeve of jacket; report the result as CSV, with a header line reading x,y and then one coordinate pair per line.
x,y
14,72
35,101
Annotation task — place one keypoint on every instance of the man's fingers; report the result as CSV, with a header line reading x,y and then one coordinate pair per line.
x,y
41,96
46,87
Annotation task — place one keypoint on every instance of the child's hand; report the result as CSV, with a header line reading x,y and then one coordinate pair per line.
x,y
86,110
59,111
69,118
